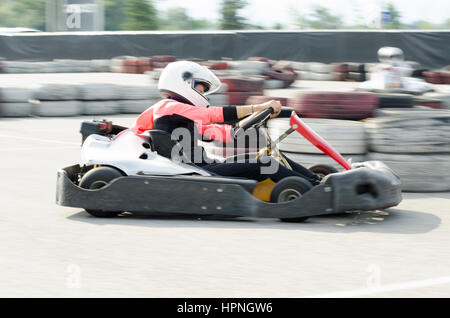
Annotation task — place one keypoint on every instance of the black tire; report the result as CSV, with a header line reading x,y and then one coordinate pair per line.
x,y
322,170
97,178
395,101
289,189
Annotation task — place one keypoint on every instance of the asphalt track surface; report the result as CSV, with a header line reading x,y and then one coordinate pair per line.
x,y
53,251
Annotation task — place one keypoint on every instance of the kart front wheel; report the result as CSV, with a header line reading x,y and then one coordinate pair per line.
x,y
289,189
97,178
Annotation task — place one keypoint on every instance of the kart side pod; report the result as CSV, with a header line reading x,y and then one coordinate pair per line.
x,y
370,186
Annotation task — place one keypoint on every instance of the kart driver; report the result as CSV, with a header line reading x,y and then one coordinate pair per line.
x,y
393,66
184,86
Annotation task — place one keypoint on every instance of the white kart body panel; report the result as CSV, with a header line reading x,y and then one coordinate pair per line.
x,y
123,152
383,80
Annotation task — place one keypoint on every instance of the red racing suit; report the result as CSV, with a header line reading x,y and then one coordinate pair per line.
x,y
205,119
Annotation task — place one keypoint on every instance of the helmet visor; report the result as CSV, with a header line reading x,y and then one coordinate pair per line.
x,y
206,85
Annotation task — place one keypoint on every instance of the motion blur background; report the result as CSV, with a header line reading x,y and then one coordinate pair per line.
x,y
111,15
63,62
318,57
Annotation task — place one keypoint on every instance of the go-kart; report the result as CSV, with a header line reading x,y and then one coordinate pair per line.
x,y
381,80
121,171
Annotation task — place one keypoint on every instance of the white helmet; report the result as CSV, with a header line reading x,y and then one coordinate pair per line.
x,y
388,54
178,80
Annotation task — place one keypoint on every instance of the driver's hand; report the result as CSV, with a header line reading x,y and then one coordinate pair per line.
x,y
276,105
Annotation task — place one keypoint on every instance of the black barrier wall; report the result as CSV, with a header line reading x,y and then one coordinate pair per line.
x,y
431,49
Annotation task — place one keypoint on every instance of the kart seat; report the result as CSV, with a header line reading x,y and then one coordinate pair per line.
x,y
161,142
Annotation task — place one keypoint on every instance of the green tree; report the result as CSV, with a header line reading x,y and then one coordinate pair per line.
x,y
395,17
115,15
358,18
140,15
202,24
23,13
278,26
322,18
446,24
299,20
177,18
130,15
231,20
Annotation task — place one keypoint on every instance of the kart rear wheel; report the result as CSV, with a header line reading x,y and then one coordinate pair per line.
x,y
97,178
289,189
322,170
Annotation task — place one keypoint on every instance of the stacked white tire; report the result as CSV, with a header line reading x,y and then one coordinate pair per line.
x,y
55,100
15,101
99,98
416,146
346,137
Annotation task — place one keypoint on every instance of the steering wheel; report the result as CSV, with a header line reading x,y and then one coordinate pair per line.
x,y
255,122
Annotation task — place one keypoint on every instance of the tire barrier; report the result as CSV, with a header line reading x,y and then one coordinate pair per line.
x,y
17,94
261,59
131,64
440,77
14,101
101,66
149,91
321,68
315,71
57,66
442,97
163,58
309,160
428,102
135,106
347,137
104,107
356,67
282,71
415,111
356,77
340,68
356,72
334,105
137,65
349,71
412,132
68,66
242,83
322,76
99,91
249,68
263,99
56,108
154,75
116,65
218,99
395,100
273,84
56,91
286,76
239,98
418,172
415,143
18,109
215,65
